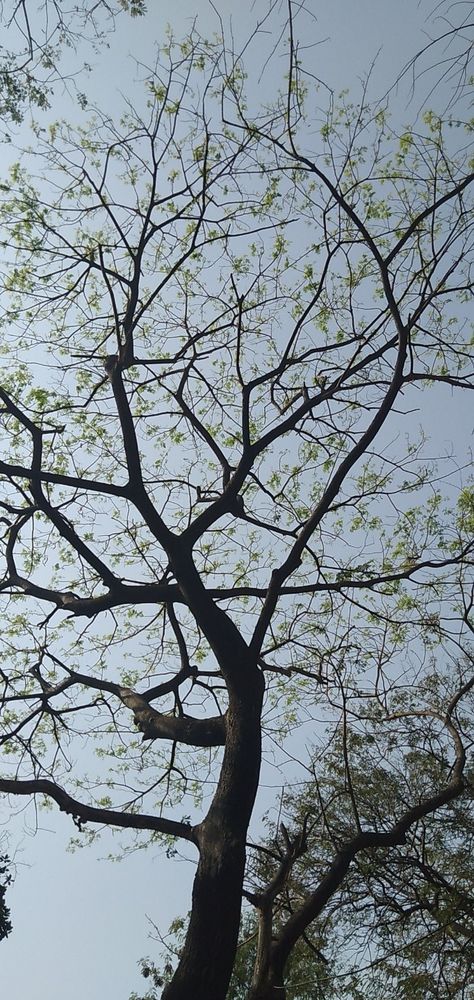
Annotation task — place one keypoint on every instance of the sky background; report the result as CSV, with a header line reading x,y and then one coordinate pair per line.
x,y
81,921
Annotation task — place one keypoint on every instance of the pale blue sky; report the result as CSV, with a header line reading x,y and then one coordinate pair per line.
x,y
80,922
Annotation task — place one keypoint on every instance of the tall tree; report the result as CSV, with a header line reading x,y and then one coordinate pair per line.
x,y
220,516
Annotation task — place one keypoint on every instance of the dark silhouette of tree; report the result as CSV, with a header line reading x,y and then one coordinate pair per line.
x,y
5,881
220,516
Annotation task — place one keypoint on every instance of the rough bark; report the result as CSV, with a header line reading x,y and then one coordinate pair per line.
x,y
208,955
272,988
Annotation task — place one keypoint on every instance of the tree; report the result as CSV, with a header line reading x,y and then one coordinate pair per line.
x,y
5,877
215,526
399,922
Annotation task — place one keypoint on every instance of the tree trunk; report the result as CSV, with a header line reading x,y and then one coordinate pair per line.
x,y
270,990
270,987
268,981
208,955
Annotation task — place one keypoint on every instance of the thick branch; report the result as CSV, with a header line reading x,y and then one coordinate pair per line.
x,y
57,478
61,523
83,813
153,724
169,593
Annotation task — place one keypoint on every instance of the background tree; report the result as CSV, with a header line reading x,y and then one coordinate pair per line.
x,y
5,880
398,923
216,525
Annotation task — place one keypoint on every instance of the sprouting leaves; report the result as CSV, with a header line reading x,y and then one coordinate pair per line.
x,y
220,337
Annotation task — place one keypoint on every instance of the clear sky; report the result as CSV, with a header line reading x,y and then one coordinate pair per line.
x,y
80,921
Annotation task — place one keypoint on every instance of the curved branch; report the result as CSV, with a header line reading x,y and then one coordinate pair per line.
x,y
60,522
294,558
83,813
153,724
58,479
181,729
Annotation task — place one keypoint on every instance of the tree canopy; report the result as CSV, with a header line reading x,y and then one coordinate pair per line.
x,y
231,545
